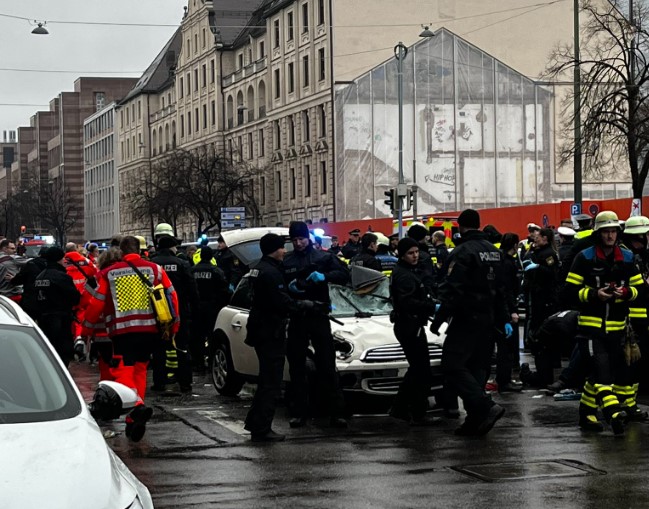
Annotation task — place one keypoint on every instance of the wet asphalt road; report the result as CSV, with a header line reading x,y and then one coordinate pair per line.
x,y
196,454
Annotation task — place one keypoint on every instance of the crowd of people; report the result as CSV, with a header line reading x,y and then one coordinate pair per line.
x,y
583,289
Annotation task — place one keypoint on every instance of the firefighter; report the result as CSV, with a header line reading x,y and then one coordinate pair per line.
x,y
602,283
473,303
124,300
413,305
367,257
176,359
56,298
308,273
213,295
383,254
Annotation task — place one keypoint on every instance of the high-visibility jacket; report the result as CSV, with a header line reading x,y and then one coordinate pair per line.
x,y
79,268
196,258
591,271
124,299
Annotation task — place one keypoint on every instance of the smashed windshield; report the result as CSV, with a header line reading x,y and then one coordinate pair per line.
x,y
347,302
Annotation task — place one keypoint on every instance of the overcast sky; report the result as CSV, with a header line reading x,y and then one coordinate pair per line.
x,y
74,47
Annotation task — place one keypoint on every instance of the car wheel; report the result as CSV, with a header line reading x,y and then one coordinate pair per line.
x,y
225,379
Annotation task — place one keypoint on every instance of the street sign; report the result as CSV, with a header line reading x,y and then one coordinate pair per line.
x,y
232,216
232,224
233,209
575,209
593,209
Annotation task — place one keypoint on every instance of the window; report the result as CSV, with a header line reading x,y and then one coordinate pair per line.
x,y
121,119
204,116
204,38
182,126
277,142
291,132
195,79
100,100
262,190
230,149
181,88
307,180
128,122
189,123
195,43
128,148
291,81
322,118
188,79
277,84
197,120
187,48
293,183
250,146
262,50
139,110
290,26
260,139
323,177
213,107
322,64
212,71
278,185
305,70
240,60
204,75
305,18
276,35
321,12
306,126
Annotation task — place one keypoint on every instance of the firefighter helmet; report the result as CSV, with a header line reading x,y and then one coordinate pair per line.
x,y
142,241
606,219
381,239
163,229
637,225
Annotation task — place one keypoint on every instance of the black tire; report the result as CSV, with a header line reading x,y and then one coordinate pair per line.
x,y
225,379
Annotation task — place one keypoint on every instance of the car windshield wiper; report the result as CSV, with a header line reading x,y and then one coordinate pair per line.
x,y
359,312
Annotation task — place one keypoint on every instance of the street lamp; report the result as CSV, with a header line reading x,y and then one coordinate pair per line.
x,y
40,29
577,113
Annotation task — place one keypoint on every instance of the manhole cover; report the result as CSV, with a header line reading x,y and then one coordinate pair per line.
x,y
495,472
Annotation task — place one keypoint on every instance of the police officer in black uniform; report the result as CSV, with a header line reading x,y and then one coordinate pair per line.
x,y
213,295
473,303
353,246
367,257
229,264
307,273
419,232
56,297
412,305
27,277
177,357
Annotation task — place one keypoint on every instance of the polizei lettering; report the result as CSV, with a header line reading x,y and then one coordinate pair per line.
x,y
490,256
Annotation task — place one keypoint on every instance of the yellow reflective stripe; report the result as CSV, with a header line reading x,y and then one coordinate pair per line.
x,y
623,389
638,312
588,387
590,321
612,326
583,294
585,400
636,280
575,279
634,293
612,402
601,387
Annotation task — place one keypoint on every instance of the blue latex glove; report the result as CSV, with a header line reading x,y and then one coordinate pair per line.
x,y
526,262
509,330
231,288
532,266
316,277
292,286
437,306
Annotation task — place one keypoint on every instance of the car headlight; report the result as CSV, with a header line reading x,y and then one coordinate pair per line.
x,y
343,347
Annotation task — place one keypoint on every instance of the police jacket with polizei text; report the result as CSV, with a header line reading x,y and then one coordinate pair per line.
x,y
178,271
211,283
299,265
56,293
411,299
473,284
124,300
366,259
271,302
593,270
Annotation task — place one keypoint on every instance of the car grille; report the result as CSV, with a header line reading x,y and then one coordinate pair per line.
x,y
392,353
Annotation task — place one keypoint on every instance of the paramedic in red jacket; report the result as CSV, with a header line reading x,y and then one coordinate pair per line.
x,y
124,300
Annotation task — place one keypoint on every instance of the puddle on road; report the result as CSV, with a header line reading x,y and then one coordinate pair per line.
x,y
499,472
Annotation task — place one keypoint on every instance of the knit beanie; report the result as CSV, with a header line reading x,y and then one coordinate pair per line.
x,y
271,242
405,244
298,229
469,218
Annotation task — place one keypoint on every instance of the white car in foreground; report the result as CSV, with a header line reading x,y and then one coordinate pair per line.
x,y
368,357
52,453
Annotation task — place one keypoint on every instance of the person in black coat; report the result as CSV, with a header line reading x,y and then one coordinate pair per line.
x,y
176,357
307,273
367,257
353,245
229,264
213,295
412,306
56,296
26,277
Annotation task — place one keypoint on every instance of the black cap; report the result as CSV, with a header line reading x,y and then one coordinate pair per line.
x,y
469,218
405,244
54,254
271,242
166,242
418,232
207,253
355,231
298,229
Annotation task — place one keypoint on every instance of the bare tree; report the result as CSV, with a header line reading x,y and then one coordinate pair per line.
x,y
57,210
614,93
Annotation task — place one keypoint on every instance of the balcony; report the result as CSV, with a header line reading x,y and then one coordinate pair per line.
x,y
245,72
162,113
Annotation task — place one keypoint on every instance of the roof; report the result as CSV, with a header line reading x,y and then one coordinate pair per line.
x,y
232,17
159,74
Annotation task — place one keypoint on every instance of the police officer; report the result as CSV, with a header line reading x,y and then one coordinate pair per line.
x,y
367,257
383,254
26,277
419,233
412,306
307,273
213,295
353,246
177,356
229,264
55,299
474,305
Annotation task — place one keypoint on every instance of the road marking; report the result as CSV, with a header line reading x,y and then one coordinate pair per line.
x,y
223,419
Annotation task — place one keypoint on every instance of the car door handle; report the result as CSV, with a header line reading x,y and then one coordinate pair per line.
x,y
236,325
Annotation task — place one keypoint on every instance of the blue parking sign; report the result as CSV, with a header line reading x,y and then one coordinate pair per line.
x,y
575,209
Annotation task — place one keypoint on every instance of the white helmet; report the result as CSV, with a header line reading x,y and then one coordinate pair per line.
x,y
163,229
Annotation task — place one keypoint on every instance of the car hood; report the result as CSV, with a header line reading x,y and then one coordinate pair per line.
x,y
62,464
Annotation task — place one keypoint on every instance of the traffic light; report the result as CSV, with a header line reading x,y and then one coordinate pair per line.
x,y
407,202
391,199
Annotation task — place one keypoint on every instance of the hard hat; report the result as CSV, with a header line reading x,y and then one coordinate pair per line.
x,y
637,225
142,241
564,231
606,219
381,239
163,229
532,226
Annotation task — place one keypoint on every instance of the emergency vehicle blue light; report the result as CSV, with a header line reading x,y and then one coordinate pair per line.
x,y
319,232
